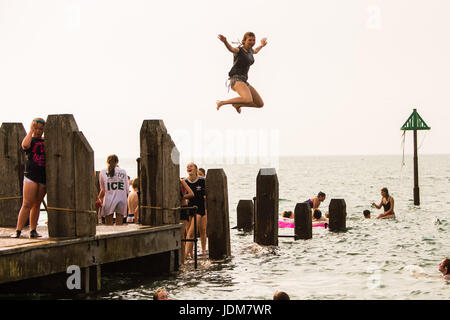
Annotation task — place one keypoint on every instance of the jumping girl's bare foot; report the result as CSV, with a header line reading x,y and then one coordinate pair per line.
x,y
238,109
218,104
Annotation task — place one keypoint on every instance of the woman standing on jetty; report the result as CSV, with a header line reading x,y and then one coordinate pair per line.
x,y
34,188
114,190
387,202
243,59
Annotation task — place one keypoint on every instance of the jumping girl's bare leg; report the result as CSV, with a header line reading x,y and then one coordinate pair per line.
x,y
257,101
245,96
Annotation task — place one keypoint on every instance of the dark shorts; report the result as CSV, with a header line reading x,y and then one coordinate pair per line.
x,y
235,78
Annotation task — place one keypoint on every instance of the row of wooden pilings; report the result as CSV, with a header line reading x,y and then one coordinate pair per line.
x,y
71,180
70,176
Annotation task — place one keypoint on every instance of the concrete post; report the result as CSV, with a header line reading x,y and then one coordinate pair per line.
x,y
69,169
244,213
303,221
159,174
218,226
337,215
12,167
266,226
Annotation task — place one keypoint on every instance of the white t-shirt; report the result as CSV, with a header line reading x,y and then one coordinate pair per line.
x,y
116,192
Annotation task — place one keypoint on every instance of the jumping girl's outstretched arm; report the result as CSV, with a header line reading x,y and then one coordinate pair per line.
x,y
229,47
263,44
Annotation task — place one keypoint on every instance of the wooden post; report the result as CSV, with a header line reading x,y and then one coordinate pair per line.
x,y
12,167
218,225
416,172
159,179
266,217
303,221
337,215
244,213
69,167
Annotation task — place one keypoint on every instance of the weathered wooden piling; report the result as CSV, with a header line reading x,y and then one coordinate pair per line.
x,y
159,179
218,227
303,221
266,215
12,165
337,215
245,212
69,166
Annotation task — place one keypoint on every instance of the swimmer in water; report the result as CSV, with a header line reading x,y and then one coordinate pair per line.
x,y
317,216
288,214
366,214
444,268
387,202
314,203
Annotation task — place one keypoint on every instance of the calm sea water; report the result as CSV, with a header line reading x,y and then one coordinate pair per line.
x,y
374,259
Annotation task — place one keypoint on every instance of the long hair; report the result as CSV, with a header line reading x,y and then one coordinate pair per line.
x,y
112,160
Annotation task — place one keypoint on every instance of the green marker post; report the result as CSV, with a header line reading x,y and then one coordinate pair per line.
x,y
415,122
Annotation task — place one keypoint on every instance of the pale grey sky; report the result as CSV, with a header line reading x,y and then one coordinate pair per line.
x,y
337,77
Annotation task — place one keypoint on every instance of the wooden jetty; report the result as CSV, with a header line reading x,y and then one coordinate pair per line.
x,y
72,237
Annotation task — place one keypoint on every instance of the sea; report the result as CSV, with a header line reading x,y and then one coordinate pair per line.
x,y
395,259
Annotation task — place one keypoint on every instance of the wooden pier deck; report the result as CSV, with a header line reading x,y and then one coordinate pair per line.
x,y
153,249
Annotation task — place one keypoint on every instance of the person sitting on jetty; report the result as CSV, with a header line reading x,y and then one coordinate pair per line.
x,y
113,191
387,202
34,188
197,184
160,294
281,295
314,203
133,205
444,268
317,216
366,214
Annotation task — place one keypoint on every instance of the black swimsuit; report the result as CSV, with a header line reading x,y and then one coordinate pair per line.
x,y
387,206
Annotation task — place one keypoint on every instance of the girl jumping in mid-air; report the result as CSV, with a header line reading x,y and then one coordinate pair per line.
x,y
243,59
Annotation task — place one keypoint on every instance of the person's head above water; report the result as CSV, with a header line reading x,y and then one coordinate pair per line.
x,y
281,295
317,214
160,294
287,214
366,214
444,266
321,196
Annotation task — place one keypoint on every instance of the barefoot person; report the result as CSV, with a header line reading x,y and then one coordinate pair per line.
x,y
387,202
34,178
243,59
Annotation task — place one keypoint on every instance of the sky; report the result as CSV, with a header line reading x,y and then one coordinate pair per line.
x,y
338,77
